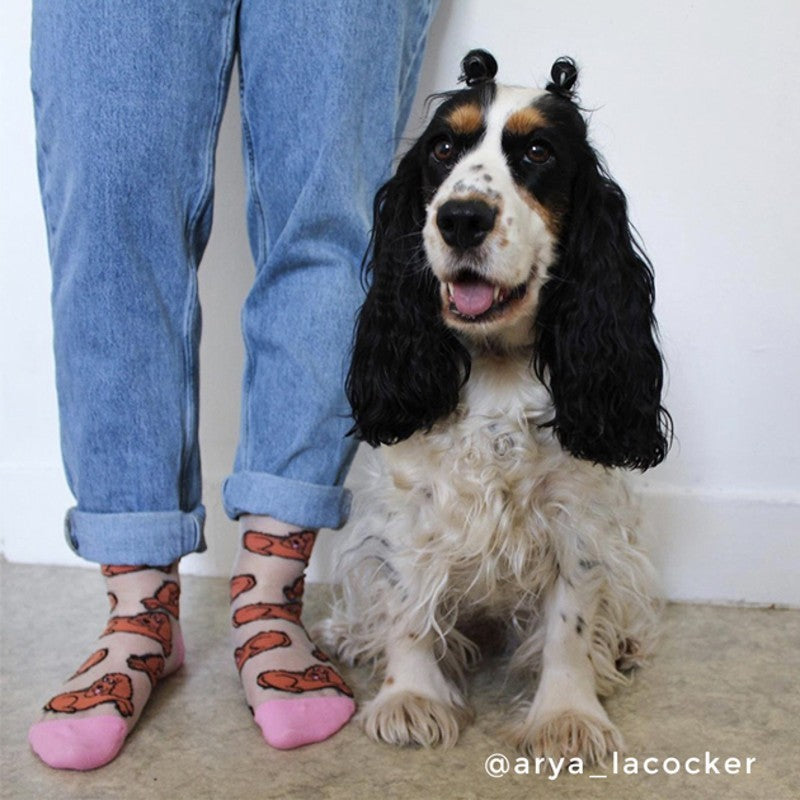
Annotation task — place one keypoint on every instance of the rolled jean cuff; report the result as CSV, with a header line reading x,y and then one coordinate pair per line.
x,y
306,505
136,537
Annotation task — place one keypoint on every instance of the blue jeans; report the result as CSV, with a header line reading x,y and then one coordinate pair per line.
x,y
128,99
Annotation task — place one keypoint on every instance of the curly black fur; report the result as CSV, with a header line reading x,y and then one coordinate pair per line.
x,y
595,333
407,368
596,343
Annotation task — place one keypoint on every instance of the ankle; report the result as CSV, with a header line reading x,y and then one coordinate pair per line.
x,y
264,524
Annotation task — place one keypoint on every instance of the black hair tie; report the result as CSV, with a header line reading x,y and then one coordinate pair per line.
x,y
477,66
563,77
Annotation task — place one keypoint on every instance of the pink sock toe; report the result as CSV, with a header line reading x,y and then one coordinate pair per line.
x,y
82,744
292,723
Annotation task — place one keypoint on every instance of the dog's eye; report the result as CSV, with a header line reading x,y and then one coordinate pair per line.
x,y
443,149
538,153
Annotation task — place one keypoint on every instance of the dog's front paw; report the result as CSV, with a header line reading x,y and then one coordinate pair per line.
x,y
568,734
405,718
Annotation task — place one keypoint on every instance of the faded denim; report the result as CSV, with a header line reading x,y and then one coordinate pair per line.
x,y
128,99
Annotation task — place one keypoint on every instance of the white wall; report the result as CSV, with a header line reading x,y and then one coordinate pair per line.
x,y
697,110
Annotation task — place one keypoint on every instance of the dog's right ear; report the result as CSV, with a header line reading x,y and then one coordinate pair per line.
x,y
407,368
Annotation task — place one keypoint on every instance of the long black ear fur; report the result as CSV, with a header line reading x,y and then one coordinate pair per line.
x,y
596,346
407,368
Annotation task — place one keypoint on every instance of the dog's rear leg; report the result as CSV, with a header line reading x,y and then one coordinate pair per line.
x,y
417,704
566,718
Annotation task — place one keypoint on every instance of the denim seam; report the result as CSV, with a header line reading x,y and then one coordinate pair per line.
x,y
222,85
252,171
260,257
42,172
190,308
42,168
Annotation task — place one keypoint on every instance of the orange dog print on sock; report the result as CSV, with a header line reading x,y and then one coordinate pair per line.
x,y
295,591
315,677
151,663
260,643
296,545
153,624
241,584
256,611
94,659
114,687
167,596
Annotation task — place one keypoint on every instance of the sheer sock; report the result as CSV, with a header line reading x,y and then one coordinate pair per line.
x,y
85,724
296,696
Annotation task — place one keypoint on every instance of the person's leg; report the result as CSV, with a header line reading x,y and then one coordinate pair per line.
x,y
128,99
326,89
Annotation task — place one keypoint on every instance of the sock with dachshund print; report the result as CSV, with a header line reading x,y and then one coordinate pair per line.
x,y
294,693
85,724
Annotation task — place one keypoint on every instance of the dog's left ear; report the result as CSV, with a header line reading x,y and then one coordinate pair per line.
x,y
407,368
596,333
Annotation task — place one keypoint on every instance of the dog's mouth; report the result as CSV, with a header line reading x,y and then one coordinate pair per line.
x,y
471,298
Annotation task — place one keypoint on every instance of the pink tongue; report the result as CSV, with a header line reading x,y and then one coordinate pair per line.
x,y
473,298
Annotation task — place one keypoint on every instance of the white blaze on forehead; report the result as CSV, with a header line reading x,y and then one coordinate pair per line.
x,y
507,100
466,178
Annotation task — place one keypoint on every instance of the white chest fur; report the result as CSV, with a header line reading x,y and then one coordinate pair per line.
x,y
481,495
486,519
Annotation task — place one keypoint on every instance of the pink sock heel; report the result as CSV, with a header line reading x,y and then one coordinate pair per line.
x,y
180,654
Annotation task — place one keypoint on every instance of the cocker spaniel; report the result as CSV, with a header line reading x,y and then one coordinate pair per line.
x,y
506,355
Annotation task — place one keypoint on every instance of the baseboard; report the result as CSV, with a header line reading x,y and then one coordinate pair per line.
x,y
707,547
717,547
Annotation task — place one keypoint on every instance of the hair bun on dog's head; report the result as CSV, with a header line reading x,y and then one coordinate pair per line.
x,y
477,66
563,77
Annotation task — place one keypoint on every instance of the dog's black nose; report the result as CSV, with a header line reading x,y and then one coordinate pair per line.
x,y
465,223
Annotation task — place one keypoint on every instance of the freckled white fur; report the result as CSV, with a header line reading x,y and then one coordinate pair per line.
x,y
487,516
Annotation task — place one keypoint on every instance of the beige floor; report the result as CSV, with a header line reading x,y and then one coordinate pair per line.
x,y
726,681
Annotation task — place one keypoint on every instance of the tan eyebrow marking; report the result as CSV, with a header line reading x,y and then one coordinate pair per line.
x,y
525,121
466,119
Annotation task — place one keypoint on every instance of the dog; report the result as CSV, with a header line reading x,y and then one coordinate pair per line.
x,y
506,356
